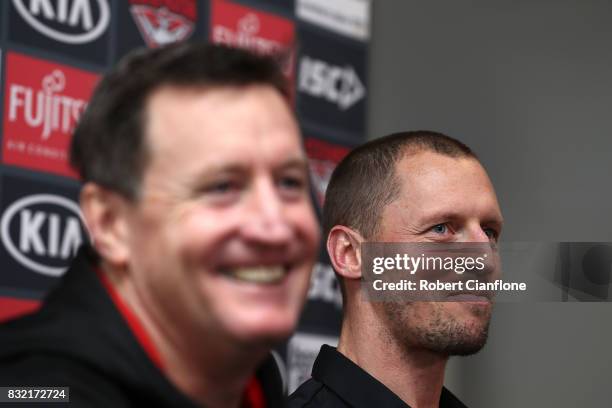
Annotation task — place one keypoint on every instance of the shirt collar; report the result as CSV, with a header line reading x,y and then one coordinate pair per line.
x,y
358,388
351,383
133,322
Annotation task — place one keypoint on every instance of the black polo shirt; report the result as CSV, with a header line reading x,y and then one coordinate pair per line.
x,y
338,382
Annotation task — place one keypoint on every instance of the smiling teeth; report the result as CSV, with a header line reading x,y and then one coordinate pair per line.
x,y
260,274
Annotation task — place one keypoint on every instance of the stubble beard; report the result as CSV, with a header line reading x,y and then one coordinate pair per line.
x,y
429,326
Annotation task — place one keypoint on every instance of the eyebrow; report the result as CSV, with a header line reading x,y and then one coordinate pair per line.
x,y
450,215
238,167
436,217
300,163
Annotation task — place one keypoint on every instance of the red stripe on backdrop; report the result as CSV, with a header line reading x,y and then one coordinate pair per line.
x,y
12,307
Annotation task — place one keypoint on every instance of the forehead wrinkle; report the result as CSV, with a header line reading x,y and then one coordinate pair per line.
x,y
247,103
244,167
250,118
428,179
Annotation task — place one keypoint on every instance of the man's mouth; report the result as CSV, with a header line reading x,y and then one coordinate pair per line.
x,y
470,296
269,274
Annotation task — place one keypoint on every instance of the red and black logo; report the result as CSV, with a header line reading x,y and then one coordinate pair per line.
x,y
155,23
42,104
323,157
163,22
244,27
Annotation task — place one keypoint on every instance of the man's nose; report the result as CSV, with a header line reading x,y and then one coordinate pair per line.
x,y
267,222
476,233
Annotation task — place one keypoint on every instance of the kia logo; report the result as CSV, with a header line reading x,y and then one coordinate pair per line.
x,y
48,228
76,15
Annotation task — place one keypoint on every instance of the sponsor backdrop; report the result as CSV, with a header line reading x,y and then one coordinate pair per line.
x,y
53,52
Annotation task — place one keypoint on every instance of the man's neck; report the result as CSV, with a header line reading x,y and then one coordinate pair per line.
x,y
210,370
416,376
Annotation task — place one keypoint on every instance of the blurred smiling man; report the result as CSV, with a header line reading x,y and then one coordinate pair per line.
x,y
196,198
416,187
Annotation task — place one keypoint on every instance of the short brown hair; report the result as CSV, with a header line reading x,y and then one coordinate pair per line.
x,y
365,181
109,145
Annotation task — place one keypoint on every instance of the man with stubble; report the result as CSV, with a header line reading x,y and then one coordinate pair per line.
x,y
416,187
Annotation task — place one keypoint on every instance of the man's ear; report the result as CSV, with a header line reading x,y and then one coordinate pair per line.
x,y
343,247
105,214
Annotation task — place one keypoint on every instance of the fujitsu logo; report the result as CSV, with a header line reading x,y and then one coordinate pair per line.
x,y
339,85
245,36
42,232
45,108
166,24
81,21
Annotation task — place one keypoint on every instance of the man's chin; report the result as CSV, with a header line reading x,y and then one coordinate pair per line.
x,y
460,338
448,329
267,333
467,346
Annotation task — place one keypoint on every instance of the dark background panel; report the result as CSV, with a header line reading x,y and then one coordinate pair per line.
x,y
85,23
283,7
3,22
38,231
332,83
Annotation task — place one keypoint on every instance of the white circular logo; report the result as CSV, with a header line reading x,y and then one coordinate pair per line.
x,y
14,209
84,6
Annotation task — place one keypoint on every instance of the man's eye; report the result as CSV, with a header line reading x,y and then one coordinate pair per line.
x,y
440,229
221,187
491,233
292,183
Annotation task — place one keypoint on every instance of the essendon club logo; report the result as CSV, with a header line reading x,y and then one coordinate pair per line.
x,y
43,102
323,157
163,22
243,27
